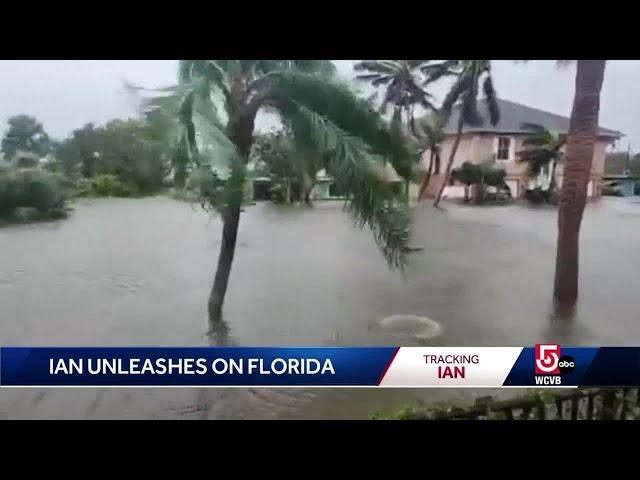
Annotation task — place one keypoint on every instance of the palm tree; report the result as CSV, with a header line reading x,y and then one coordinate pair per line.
x,y
430,137
221,101
542,149
403,82
403,87
468,76
577,171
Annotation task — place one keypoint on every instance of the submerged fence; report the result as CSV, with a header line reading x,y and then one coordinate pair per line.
x,y
592,404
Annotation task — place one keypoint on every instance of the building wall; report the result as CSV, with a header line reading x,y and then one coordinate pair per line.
x,y
321,190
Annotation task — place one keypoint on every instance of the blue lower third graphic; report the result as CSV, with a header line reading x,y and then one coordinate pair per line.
x,y
199,366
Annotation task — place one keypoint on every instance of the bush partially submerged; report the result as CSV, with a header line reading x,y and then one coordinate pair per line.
x,y
108,185
104,185
480,176
31,195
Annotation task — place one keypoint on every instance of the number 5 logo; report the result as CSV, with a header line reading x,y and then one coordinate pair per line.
x,y
547,358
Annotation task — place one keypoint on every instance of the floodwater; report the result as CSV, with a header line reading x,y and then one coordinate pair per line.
x,y
138,272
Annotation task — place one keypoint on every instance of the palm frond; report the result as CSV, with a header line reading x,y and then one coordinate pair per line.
x,y
469,108
453,96
370,200
436,71
205,130
367,77
540,148
427,105
431,130
209,69
491,99
418,63
384,80
335,101
388,67
320,67
186,118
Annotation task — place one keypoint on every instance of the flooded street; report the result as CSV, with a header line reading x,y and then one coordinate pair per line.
x,y
124,272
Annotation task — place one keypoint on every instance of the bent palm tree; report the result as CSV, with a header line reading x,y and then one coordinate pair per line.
x,y
577,170
468,76
402,81
430,137
542,149
221,101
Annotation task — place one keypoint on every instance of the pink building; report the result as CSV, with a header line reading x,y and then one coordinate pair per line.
x,y
500,143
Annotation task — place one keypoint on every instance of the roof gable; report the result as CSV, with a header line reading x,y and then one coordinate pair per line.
x,y
513,115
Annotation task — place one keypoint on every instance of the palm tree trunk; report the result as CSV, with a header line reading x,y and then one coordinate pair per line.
x,y
427,178
243,131
577,170
452,156
225,260
180,176
551,196
307,194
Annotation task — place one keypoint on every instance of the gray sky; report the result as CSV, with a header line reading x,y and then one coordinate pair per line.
x,y
64,95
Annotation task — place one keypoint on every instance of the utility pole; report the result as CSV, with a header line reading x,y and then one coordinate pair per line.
x,y
627,163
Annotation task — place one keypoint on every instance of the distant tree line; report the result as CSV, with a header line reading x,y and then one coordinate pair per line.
x,y
122,158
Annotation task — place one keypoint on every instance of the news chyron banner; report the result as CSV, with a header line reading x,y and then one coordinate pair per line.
x,y
383,367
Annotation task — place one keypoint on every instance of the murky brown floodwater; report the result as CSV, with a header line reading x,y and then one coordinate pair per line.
x,y
137,272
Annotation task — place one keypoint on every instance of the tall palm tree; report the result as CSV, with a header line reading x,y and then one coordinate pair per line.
x,y
403,82
468,74
542,149
577,170
430,136
221,101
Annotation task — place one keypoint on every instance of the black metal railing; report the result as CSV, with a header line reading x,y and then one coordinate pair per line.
x,y
591,404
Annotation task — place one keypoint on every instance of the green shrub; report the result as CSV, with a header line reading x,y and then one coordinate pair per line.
x,y
537,196
83,187
487,173
107,185
31,194
278,193
202,181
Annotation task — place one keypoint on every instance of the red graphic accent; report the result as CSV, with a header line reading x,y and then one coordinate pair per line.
x,y
388,365
547,358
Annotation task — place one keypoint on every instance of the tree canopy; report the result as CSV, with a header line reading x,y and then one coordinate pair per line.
x,y
25,134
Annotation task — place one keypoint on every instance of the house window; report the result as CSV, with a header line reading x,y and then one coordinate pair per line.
x,y
504,148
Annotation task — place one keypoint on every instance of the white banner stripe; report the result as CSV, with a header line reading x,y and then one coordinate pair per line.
x,y
415,367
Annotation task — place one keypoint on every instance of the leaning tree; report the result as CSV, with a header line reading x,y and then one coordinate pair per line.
x,y
403,83
221,99
542,149
577,172
429,137
468,76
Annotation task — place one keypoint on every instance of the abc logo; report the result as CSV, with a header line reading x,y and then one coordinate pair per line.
x,y
566,364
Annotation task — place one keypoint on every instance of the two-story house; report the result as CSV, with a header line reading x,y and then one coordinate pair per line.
x,y
500,144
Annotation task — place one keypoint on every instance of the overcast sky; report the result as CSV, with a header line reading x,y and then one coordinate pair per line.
x,y
64,95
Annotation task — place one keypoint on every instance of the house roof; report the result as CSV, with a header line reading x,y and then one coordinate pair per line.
x,y
513,115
